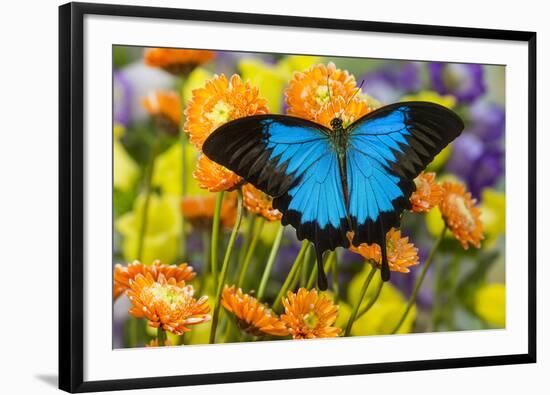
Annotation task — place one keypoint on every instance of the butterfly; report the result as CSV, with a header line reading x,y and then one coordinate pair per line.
x,y
330,181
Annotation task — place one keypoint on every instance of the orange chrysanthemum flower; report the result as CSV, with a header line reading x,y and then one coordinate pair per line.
x,y
308,92
309,315
218,102
461,215
165,108
177,61
213,176
260,203
252,316
166,304
428,193
348,112
123,274
155,343
401,253
199,210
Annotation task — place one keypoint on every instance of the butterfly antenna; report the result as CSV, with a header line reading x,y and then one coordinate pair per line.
x,y
355,93
330,96
322,282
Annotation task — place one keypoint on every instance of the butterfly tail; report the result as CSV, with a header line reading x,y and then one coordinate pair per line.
x,y
322,282
385,270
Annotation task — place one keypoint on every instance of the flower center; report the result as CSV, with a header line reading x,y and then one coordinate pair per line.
x,y
311,320
465,213
220,113
168,294
322,94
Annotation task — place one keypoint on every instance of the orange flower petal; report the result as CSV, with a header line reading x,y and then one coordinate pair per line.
x,y
252,316
260,203
166,304
427,195
401,253
461,215
165,108
309,315
177,61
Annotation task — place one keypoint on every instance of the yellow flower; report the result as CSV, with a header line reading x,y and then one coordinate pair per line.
x,y
177,61
166,304
199,210
162,231
271,79
218,102
167,174
384,314
260,203
309,315
448,101
126,170
252,316
308,92
428,193
493,215
401,253
196,80
490,304
165,108
123,274
461,215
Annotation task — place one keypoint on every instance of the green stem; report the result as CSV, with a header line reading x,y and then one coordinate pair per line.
x,y
245,242
355,310
412,299
335,287
371,301
292,275
148,190
305,268
225,265
258,226
270,261
161,337
215,236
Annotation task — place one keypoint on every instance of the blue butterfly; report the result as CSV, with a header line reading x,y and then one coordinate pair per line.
x,y
328,182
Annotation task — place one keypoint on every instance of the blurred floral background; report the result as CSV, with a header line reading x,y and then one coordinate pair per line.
x,y
201,257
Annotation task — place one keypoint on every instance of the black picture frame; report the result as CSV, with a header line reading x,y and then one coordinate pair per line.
x,y
71,196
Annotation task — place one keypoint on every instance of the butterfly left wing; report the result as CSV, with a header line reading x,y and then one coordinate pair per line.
x,y
387,149
292,160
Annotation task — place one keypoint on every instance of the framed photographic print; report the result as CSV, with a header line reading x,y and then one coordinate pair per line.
x,y
258,197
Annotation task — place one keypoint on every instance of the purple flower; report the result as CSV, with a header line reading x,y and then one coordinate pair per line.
x,y
388,84
479,164
122,98
464,81
487,121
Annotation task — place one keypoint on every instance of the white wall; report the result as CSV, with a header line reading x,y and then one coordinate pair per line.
x,y
28,193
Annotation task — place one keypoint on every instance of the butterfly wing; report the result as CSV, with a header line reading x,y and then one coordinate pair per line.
x,y
387,149
291,159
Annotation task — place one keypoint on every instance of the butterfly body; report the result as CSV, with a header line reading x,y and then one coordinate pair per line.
x,y
333,182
